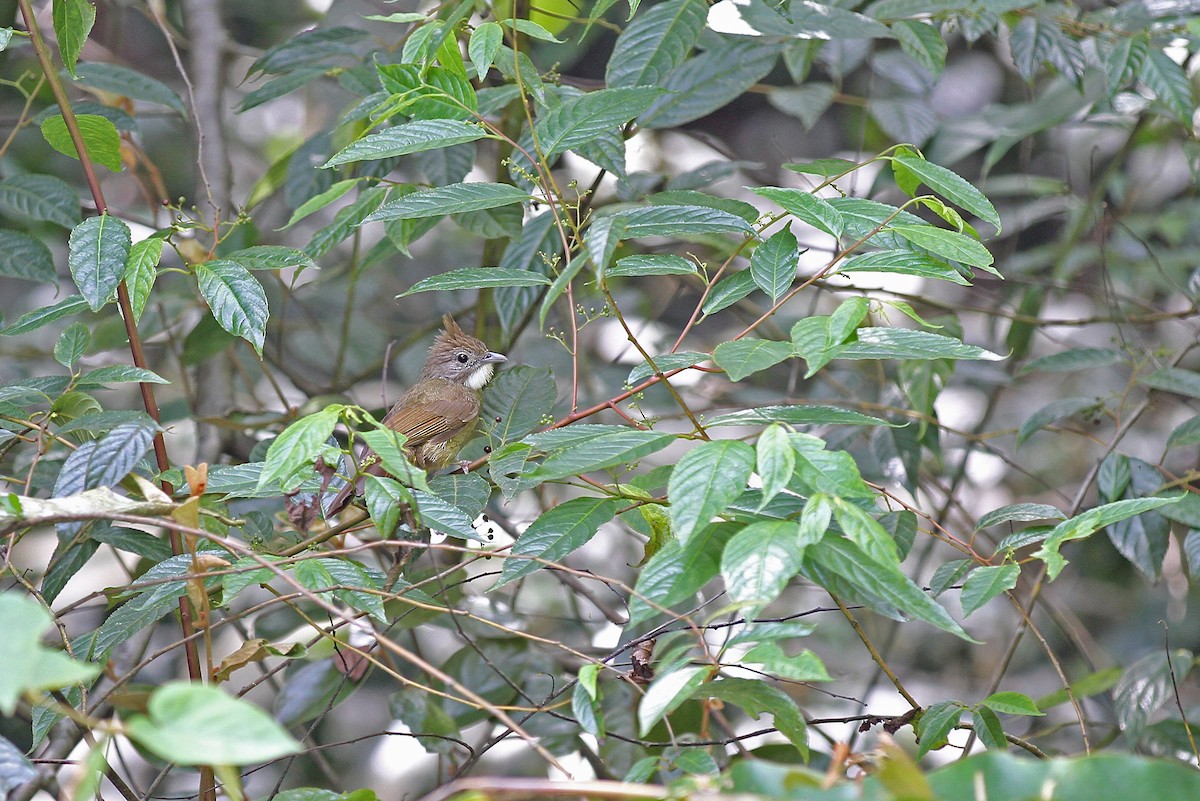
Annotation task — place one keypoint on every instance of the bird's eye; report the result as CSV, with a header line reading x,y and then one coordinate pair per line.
x,y
462,358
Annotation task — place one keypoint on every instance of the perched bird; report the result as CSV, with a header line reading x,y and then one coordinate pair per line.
x,y
438,414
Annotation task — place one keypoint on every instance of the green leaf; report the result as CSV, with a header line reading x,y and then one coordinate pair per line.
x,y
29,666
412,137
291,454
705,83
986,583
196,724
429,92
667,692
807,207
73,21
441,515
1053,412
100,138
1088,523
356,587
22,256
1169,83
1174,379
1019,512
775,461
988,729
582,119
141,269
806,103
118,80
760,560
98,249
321,200
680,221
516,401
1184,434
558,532
804,666
651,264
1010,703
665,362
756,697
452,199
40,198
705,481
604,451
795,415
678,571
1074,359
923,42
484,45
31,321
905,262
120,374
949,574
950,186
656,42
236,298
748,356
904,343
71,345
947,244
773,264
589,715
728,291
936,723
476,278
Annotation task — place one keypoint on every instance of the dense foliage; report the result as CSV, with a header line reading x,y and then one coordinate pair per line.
x,y
832,328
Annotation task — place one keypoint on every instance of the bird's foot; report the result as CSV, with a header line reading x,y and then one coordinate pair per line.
x,y
464,465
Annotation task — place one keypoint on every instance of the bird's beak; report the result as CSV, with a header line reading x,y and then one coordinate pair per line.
x,y
494,358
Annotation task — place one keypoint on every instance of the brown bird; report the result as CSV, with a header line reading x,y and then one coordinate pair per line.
x,y
438,414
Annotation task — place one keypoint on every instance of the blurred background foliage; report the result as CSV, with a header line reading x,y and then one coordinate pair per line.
x,y
1075,120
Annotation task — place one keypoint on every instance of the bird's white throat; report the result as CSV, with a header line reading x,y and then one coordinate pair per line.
x,y
480,376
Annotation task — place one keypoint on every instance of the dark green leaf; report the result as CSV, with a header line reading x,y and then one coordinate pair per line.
x,y
757,697
906,262
680,221
31,321
936,723
516,402
987,728
99,247
120,374
705,83
760,560
452,199
655,42
477,278
950,186
603,452
748,356
728,291
949,574
923,42
796,415
236,298
1074,359
773,264
1169,83
705,481
71,345
292,453
484,45
986,583
1185,434
73,21
441,515
40,198
272,257
557,533
665,362
1174,379
22,256
1052,413
412,137
678,571
1147,685
141,269
430,92
806,207
652,264
667,692
118,80
1088,523
905,343
1019,512
586,117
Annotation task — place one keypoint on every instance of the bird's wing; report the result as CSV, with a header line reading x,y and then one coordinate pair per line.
x,y
431,421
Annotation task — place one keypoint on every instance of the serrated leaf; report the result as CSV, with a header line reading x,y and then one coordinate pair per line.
x,y
516,402
71,344
107,463
950,186
666,362
120,374
236,299
484,45
795,415
905,343
645,264
1088,523
441,515
755,698
1019,512
40,198
583,119
760,560
451,199
602,452
73,21
745,357
947,244
417,136
705,481
905,262
22,256
100,138
31,321
678,221
1169,83
728,291
141,269
476,278
923,42
292,452
805,206
118,80
949,574
557,533
98,249
986,583
678,571
707,82
430,92
773,263
655,42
